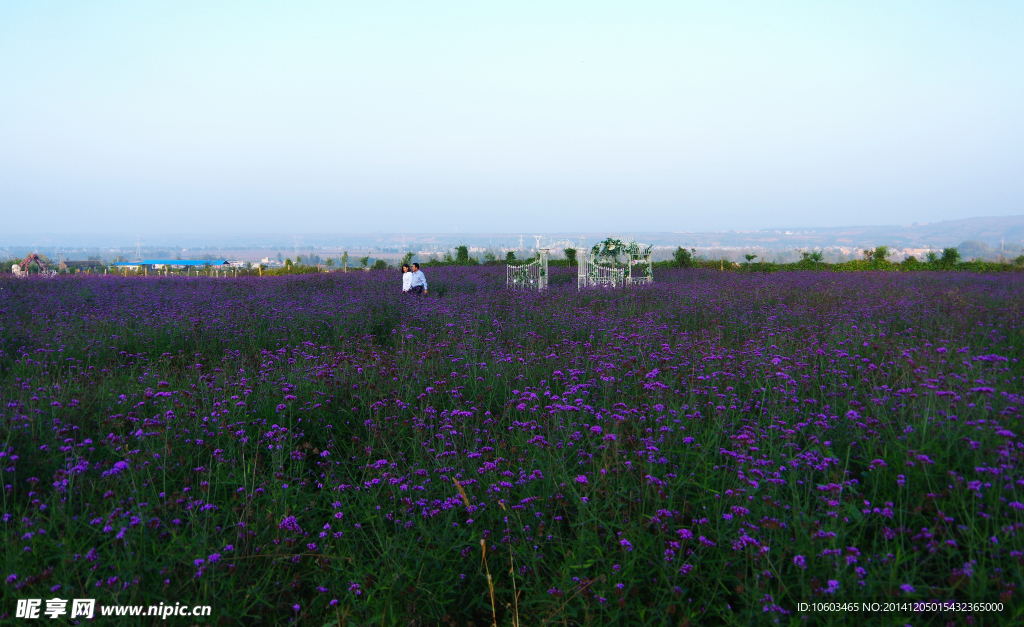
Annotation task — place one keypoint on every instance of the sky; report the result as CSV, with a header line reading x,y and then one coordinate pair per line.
x,y
420,117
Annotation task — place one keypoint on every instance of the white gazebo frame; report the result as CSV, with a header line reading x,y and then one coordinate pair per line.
x,y
593,267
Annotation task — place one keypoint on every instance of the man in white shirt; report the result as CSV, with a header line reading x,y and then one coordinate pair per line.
x,y
419,282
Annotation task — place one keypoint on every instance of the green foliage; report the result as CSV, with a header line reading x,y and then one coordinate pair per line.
x,y
489,257
289,270
407,258
880,253
683,257
364,261
458,260
1019,261
380,264
608,251
857,265
750,257
950,256
344,259
288,263
510,256
570,256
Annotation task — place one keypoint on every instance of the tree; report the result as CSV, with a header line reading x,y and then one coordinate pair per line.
x,y
931,256
489,257
380,264
950,256
298,260
570,254
407,258
344,260
510,256
974,249
817,256
448,256
330,262
363,261
684,257
462,254
880,253
750,257
288,263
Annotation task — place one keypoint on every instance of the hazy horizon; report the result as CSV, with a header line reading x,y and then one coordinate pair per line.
x,y
354,118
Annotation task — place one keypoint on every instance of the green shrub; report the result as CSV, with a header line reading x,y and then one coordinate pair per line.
x,y
950,256
684,257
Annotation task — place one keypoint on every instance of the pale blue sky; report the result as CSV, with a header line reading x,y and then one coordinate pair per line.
x,y
144,117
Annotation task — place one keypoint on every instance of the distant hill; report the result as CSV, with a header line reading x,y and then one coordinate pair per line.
x,y
991,232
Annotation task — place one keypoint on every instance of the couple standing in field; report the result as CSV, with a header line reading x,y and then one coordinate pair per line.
x,y
413,281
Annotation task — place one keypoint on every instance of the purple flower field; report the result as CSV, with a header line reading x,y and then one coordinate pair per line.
x,y
713,449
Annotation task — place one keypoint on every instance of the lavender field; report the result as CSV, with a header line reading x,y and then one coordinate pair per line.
x,y
712,449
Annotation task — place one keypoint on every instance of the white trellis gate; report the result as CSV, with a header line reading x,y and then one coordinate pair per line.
x,y
530,276
593,274
596,267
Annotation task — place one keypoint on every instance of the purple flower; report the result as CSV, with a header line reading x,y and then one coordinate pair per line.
x,y
907,588
290,524
800,562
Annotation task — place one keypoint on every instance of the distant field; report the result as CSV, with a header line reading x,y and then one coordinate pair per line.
x,y
714,449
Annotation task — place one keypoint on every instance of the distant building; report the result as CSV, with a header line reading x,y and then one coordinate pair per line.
x,y
158,264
